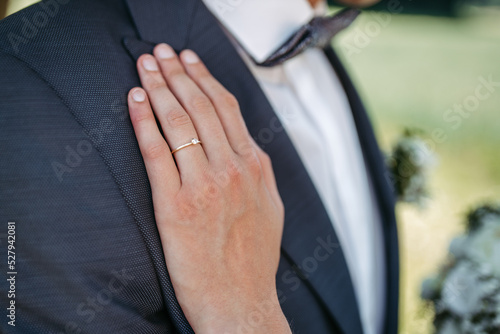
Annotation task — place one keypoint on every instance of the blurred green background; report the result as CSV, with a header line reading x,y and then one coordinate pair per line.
x,y
410,70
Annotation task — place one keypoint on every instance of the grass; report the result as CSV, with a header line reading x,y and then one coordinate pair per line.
x,y
409,73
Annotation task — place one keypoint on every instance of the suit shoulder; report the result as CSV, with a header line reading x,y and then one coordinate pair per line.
x,y
21,86
14,71
43,26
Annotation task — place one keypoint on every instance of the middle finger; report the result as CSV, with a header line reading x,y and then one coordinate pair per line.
x,y
195,102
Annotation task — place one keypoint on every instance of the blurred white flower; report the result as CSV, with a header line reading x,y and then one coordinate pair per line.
x,y
466,292
462,292
449,326
457,247
469,327
483,246
420,155
410,163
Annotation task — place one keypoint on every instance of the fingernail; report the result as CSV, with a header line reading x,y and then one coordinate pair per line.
x,y
150,64
164,51
138,96
190,57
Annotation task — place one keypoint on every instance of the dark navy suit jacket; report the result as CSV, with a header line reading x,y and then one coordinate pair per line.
x,y
88,255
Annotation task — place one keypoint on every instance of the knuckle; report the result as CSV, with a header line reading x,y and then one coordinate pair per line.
x,y
206,195
153,84
185,208
206,179
281,207
254,165
177,117
265,158
230,101
140,117
200,103
203,74
175,73
246,148
233,169
154,151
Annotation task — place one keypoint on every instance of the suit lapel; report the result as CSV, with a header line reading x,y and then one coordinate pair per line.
x,y
385,198
157,20
307,226
160,21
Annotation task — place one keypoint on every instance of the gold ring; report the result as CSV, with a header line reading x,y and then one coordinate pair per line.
x,y
193,141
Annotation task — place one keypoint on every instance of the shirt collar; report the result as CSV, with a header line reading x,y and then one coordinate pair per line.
x,y
261,26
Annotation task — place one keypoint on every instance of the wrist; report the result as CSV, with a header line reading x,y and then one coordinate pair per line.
x,y
263,316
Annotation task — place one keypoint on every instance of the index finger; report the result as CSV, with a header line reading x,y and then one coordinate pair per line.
x,y
160,166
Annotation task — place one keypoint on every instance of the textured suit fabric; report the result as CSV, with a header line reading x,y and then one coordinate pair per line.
x,y
89,258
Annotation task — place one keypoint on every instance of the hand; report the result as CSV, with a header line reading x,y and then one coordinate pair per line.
x,y
217,207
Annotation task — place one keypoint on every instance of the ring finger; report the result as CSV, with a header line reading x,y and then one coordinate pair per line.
x,y
177,126
195,102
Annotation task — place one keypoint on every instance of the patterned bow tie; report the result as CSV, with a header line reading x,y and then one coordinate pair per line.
x,y
316,34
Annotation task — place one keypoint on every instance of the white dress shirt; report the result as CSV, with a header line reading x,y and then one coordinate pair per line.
x,y
311,103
